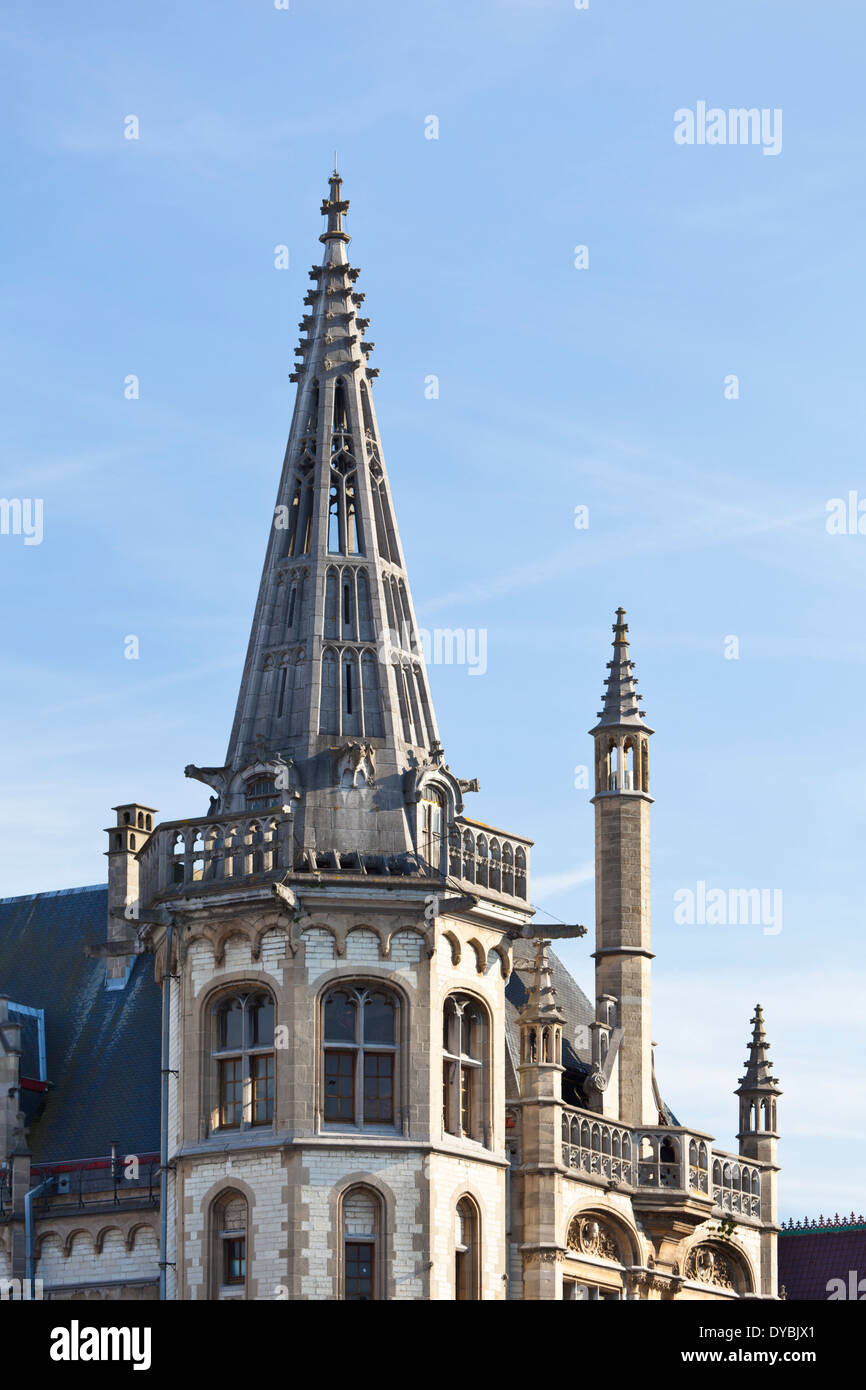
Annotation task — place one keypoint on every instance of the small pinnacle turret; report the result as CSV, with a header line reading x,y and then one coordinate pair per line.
x,y
621,700
758,1075
541,1005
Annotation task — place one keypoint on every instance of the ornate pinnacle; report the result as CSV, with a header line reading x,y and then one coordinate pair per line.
x,y
541,1004
758,1075
621,700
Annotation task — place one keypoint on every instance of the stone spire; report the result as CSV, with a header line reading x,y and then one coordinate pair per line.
x,y
541,1004
758,1075
758,1136
621,700
540,1022
334,694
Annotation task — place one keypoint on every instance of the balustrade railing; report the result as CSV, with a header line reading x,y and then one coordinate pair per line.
x,y
665,1158
182,853
736,1185
487,858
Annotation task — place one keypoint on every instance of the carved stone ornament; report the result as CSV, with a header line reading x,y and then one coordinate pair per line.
x,y
355,765
708,1266
589,1237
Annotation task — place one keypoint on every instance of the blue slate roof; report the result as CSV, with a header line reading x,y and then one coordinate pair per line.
x,y
102,1046
811,1258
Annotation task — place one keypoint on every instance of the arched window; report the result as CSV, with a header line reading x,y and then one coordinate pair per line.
x,y
520,872
229,1217
466,1263
284,689
331,584
365,405
300,516
361,1050
373,725
495,865
432,825
612,767
629,780
329,716
362,1245
508,870
351,715
465,1089
347,604
384,527
243,1060
365,619
344,535
260,793
482,861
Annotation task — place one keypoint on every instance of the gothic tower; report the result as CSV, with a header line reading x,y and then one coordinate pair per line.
x,y
335,935
622,878
758,1136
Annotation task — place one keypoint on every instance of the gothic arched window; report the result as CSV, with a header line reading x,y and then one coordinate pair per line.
x,y
331,602
365,619
242,1057
373,725
466,1262
361,1213
465,1087
361,1054
432,827
229,1221
329,720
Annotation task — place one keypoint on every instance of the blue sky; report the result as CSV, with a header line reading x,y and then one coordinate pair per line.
x,y
559,387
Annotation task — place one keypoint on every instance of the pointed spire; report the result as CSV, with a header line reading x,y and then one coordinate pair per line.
x,y
621,701
541,1004
334,687
758,1075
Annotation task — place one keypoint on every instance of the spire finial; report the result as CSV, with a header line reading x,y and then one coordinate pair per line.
x,y
759,1068
333,208
621,700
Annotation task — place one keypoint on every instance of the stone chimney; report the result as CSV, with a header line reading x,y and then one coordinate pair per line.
x,y
125,839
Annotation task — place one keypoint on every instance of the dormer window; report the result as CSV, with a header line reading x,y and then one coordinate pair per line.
x,y
261,793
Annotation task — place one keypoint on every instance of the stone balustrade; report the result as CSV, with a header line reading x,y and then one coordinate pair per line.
x,y
666,1157
482,857
227,849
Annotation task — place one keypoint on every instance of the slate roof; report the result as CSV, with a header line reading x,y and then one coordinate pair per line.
x,y
102,1046
809,1259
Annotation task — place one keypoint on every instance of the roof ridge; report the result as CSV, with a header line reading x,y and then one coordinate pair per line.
x,y
54,893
